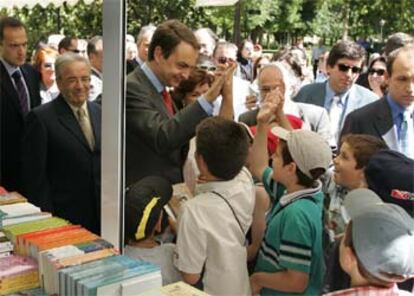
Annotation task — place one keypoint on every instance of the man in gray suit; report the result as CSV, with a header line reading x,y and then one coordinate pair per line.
x,y
339,95
314,117
392,117
157,134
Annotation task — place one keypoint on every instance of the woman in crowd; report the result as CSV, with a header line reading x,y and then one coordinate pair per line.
x,y
44,62
244,60
376,75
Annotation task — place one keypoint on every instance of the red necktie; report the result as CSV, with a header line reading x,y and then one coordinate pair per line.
x,y
168,101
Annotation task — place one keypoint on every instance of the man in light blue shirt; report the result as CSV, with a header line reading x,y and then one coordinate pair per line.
x,y
391,118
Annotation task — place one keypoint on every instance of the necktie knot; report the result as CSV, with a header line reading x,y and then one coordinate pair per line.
x,y
17,75
168,101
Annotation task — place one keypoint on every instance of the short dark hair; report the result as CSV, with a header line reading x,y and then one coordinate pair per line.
x,y
66,42
393,56
224,146
9,22
91,48
168,36
345,49
302,178
396,41
363,147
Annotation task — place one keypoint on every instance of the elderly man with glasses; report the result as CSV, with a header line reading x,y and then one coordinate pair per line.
x,y
339,95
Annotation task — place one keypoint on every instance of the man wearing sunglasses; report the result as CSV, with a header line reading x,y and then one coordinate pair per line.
x,y
391,118
339,94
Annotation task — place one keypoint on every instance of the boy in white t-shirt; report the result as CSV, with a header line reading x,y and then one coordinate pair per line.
x,y
212,226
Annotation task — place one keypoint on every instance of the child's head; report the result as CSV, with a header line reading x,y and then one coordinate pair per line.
x,y
378,245
222,147
144,202
353,157
302,156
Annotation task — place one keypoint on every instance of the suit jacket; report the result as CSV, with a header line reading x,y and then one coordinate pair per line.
x,y
314,93
131,65
374,119
60,173
12,123
315,117
156,142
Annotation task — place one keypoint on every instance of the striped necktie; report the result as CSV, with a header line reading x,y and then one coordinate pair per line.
x,y
406,140
21,92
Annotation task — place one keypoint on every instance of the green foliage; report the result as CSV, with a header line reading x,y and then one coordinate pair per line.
x,y
282,20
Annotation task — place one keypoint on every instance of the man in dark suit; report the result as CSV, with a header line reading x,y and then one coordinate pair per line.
x,y
143,41
62,148
339,95
391,118
157,135
19,93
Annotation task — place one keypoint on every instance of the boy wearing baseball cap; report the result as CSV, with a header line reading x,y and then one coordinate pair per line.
x,y
290,259
144,203
377,250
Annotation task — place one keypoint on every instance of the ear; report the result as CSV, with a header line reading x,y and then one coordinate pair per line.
x,y
292,167
387,77
158,53
328,69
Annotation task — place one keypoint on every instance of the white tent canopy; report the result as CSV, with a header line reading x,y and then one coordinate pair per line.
x,y
215,2
32,3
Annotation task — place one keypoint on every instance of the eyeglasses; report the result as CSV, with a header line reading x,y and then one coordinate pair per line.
x,y
77,51
267,89
48,65
345,68
207,68
379,72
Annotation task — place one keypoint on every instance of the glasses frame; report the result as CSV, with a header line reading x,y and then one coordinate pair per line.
x,y
345,68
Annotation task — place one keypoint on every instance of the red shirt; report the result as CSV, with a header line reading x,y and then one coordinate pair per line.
x,y
370,291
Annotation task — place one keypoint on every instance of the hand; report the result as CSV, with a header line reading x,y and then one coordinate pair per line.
x,y
216,88
267,112
250,102
254,286
277,97
228,77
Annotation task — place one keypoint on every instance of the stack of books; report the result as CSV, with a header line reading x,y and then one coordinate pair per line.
x,y
7,198
115,275
17,273
20,212
6,247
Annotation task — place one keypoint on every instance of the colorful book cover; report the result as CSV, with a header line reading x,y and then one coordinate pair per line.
x,y
14,265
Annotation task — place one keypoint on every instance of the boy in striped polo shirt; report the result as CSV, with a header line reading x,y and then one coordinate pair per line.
x,y
290,259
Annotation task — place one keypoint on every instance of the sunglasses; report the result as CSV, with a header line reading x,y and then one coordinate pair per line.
x,y
77,51
345,68
207,68
48,65
379,72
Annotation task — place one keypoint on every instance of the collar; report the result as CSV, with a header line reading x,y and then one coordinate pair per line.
x,y
153,78
397,109
367,290
226,188
76,108
139,61
10,68
291,197
96,72
330,93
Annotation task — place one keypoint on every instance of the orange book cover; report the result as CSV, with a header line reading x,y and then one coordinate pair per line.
x,y
81,259
62,239
21,240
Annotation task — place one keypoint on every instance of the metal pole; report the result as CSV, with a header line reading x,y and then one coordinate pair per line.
x,y
113,111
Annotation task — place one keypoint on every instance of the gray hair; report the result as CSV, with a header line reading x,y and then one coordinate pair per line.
x,y
68,58
91,48
145,30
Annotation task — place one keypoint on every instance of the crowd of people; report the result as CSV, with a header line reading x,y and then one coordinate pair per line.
x,y
302,170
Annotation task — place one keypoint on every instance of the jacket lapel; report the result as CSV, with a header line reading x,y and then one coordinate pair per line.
x,y
8,88
385,125
95,120
69,121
